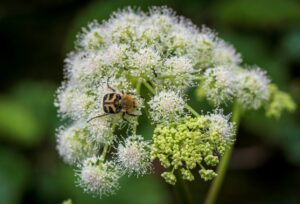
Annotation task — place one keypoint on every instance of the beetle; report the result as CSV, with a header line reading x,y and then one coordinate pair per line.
x,y
114,103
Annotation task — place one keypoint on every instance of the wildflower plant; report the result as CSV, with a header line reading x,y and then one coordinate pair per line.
x,y
166,55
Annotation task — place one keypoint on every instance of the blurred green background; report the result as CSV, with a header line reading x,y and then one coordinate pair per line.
x,y
36,35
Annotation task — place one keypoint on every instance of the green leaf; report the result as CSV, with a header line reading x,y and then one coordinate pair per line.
x,y
17,123
28,113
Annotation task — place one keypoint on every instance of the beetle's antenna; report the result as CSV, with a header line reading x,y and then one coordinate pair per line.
x,y
98,116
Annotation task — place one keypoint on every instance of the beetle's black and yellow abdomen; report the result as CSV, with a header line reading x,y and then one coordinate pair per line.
x,y
112,103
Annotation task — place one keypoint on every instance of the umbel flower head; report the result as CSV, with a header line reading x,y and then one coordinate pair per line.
x,y
163,55
99,177
166,106
249,86
73,143
133,155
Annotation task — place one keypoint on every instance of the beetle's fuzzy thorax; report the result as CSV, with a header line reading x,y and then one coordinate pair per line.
x,y
128,103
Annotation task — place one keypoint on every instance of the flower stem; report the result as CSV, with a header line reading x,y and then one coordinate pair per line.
x,y
138,86
181,188
221,171
105,148
189,108
149,87
138,91
183,191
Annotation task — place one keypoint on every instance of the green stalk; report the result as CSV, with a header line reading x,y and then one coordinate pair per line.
x,y
221,171
149,87
106,146
183,191
189,108
138,90
138,86
181,188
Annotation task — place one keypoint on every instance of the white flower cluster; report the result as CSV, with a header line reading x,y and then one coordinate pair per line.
x,y
220,124
165,54
74,145
134,155
166,106
249,87
99,177
158,45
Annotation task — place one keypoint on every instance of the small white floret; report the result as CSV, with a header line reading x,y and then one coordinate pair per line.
x,y
166,106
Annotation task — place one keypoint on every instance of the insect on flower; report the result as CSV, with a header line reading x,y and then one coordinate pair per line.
x,y
114,103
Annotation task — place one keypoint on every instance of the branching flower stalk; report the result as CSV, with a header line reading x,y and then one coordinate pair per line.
x,y
221,171
101,100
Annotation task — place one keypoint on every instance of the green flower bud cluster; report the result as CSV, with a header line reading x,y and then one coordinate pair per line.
x,y
189,144
279,101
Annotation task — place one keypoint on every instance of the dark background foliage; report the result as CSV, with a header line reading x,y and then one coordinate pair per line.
x,y
35,36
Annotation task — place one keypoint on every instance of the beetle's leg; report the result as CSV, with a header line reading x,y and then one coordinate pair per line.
x,y
98,116
108,86
123,117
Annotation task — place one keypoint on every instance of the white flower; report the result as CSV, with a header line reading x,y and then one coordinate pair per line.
x,y
92,37
144,63
85,67
76,103
63,100
178,43
73,143
225,53
134,155
100,130
252,88
177,72
114,55
248,86
204,47
123,25
166,106
219,84
99,177
219,123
